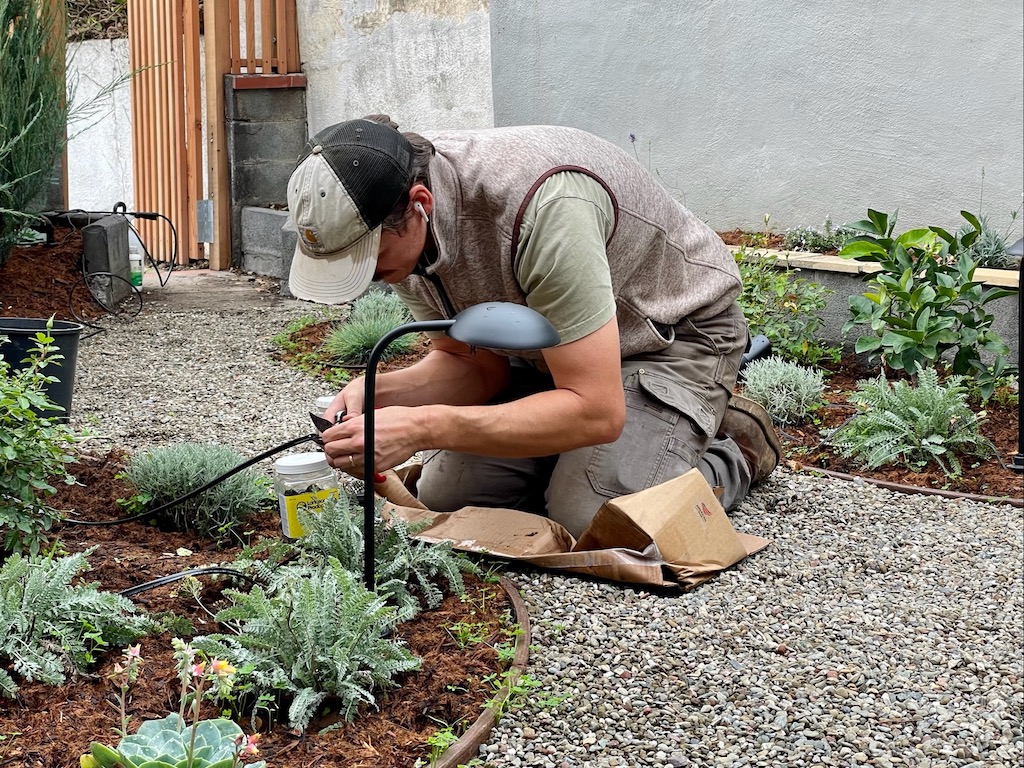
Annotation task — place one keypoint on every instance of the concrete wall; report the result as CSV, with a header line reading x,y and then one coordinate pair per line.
x,y
425,62
794,108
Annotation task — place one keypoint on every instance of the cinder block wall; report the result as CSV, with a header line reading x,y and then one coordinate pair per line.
x,y
266,131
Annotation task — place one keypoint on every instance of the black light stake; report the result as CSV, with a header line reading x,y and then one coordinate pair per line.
x,y
1017,250
500,325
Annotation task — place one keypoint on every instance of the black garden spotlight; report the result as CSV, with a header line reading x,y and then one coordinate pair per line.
x,y
498,325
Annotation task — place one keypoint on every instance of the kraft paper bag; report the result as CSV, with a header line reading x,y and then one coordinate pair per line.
x,y
672,535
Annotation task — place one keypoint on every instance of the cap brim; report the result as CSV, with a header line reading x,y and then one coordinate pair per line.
x,y
337,278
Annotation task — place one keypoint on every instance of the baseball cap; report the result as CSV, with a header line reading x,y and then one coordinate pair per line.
x,y
348,179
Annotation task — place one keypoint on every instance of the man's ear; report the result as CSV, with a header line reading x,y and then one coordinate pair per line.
x,y
418,193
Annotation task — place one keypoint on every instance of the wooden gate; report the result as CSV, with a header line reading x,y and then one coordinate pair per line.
x,y
242,36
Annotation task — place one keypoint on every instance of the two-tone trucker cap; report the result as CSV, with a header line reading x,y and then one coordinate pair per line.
x,y
348,179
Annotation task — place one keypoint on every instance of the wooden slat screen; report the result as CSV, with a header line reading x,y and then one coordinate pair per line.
x,y
166,123
263,37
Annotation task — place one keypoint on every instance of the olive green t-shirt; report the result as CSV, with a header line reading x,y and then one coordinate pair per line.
x,y
561,263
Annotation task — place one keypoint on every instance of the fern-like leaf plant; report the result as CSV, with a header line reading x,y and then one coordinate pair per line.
x,y
316,633
51,627
913,425
409,572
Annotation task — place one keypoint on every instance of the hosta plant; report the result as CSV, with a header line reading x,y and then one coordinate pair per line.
x,y
924,304
789,392
912,425
171,743
169,472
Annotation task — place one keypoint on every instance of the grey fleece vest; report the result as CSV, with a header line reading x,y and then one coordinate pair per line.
x,y
665,263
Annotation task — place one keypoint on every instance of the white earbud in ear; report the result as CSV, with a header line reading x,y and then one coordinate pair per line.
x,y
419,207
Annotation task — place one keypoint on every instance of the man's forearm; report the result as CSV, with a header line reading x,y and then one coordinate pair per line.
x,y
441,377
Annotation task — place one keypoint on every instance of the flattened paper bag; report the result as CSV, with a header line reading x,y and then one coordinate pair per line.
x,y
674,534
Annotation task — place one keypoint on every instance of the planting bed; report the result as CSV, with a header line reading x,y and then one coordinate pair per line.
x,y
49,727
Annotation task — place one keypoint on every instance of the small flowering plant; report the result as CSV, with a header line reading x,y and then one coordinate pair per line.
x,y
172,742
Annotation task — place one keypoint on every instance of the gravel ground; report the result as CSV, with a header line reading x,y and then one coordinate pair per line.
x,y
877,628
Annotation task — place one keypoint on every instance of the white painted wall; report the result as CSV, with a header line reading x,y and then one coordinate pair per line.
x,y
100,130
424,62
796,108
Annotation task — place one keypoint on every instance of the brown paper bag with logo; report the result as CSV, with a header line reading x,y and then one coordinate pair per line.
x,y
674,534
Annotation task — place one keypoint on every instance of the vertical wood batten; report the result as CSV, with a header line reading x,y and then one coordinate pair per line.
x,y
193,123
266,36
221,39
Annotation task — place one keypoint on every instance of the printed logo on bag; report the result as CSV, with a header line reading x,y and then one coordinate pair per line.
x,y
704,512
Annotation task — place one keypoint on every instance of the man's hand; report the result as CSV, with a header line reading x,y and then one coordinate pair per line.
x,y
396,438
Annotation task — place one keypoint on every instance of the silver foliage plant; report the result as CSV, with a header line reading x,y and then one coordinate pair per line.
x,y
169,472
409,572
315,633
913,425
53,625
789,392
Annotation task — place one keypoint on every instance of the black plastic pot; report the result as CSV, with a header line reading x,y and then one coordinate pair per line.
x,y
21,333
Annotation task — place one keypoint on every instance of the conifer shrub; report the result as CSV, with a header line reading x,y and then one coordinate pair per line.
x,y
373,314
169,472
789,392
913,425
53,625
32,111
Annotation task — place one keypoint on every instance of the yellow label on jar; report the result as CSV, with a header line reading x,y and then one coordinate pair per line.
x,y
313,502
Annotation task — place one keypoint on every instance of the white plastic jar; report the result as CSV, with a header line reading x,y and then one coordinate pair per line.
x,y
302,479
322,404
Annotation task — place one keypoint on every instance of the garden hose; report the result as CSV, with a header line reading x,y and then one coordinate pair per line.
x,y
315,437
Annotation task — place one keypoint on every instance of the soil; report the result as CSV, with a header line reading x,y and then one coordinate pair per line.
x,y
47,727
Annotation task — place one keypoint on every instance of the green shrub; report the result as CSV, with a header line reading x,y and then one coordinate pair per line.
x,y
925,302
32,111
912,425
50,627
789,392
34,450
315,634
373,315
816,240
402,564
167,473
783,307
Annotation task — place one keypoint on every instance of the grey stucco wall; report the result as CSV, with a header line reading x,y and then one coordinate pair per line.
x,y
793,108
424,62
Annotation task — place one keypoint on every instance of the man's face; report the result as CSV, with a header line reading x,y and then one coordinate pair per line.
x,y
399,252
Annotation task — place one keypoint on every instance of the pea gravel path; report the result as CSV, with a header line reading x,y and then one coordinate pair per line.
x,y
877,629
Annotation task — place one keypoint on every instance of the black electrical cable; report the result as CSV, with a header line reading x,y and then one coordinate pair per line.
x,y
315,437
170,579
